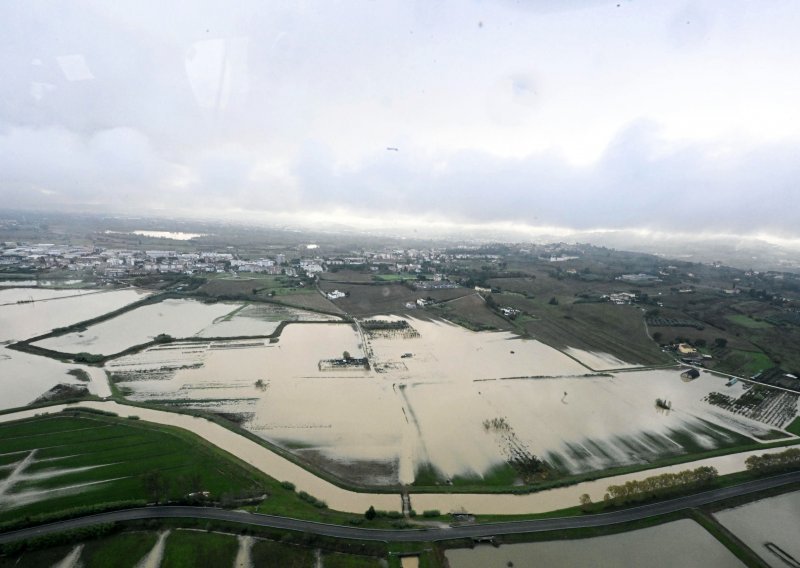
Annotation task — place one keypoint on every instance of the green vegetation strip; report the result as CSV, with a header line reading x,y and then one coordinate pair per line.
x,y
139,462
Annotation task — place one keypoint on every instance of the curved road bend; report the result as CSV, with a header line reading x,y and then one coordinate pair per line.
x,y
412,535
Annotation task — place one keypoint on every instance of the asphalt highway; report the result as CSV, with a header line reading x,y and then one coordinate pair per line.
x,y
410,535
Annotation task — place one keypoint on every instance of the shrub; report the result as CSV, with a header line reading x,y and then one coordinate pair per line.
x,y
84,357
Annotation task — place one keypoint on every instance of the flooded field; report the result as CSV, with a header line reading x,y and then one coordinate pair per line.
x,y
27,312
258,319
25,377
769,527
254,454
680,543
435,396
343,500
12,296
35,283
598,361
179,319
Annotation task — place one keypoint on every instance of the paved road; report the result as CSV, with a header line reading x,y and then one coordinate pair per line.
x,y
415,535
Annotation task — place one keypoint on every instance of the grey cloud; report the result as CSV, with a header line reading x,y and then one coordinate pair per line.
x,y
639,182
288,108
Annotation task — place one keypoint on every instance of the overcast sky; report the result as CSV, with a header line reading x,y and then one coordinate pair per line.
x,y
570,114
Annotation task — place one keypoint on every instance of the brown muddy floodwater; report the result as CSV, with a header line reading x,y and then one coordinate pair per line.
x,y
254,454
680,543
343,500
598,360
461,401
178,318
765,524
25,377
55,308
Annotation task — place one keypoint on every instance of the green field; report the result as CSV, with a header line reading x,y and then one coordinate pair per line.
x,y
123,550
272,554
394,277
192,549
748,322
119,456
604,327
338,560
794,427
256,285
470,312
746,363
38,558
115,456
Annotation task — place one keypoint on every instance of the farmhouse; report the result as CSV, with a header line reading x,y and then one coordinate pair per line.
x,y
690,374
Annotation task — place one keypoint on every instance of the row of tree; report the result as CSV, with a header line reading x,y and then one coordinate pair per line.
x,y
768,463
656,486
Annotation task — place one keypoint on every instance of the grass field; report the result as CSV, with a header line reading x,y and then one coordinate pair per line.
x,y
278,555
337,560
616,330
39,558
226,285
794,427
114,455
394,277
748,322
390,297
192,549
746,363
186,547
471,312
122,550
315,301
120,453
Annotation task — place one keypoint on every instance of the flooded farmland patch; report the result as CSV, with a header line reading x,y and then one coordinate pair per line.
x,y
25,377
768,527
597,360
177,318
259,319
26,313
680,543
425,399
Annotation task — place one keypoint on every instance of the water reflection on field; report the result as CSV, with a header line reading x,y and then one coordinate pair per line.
x,y
28,312
461,401
680,543
769,527
178,318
